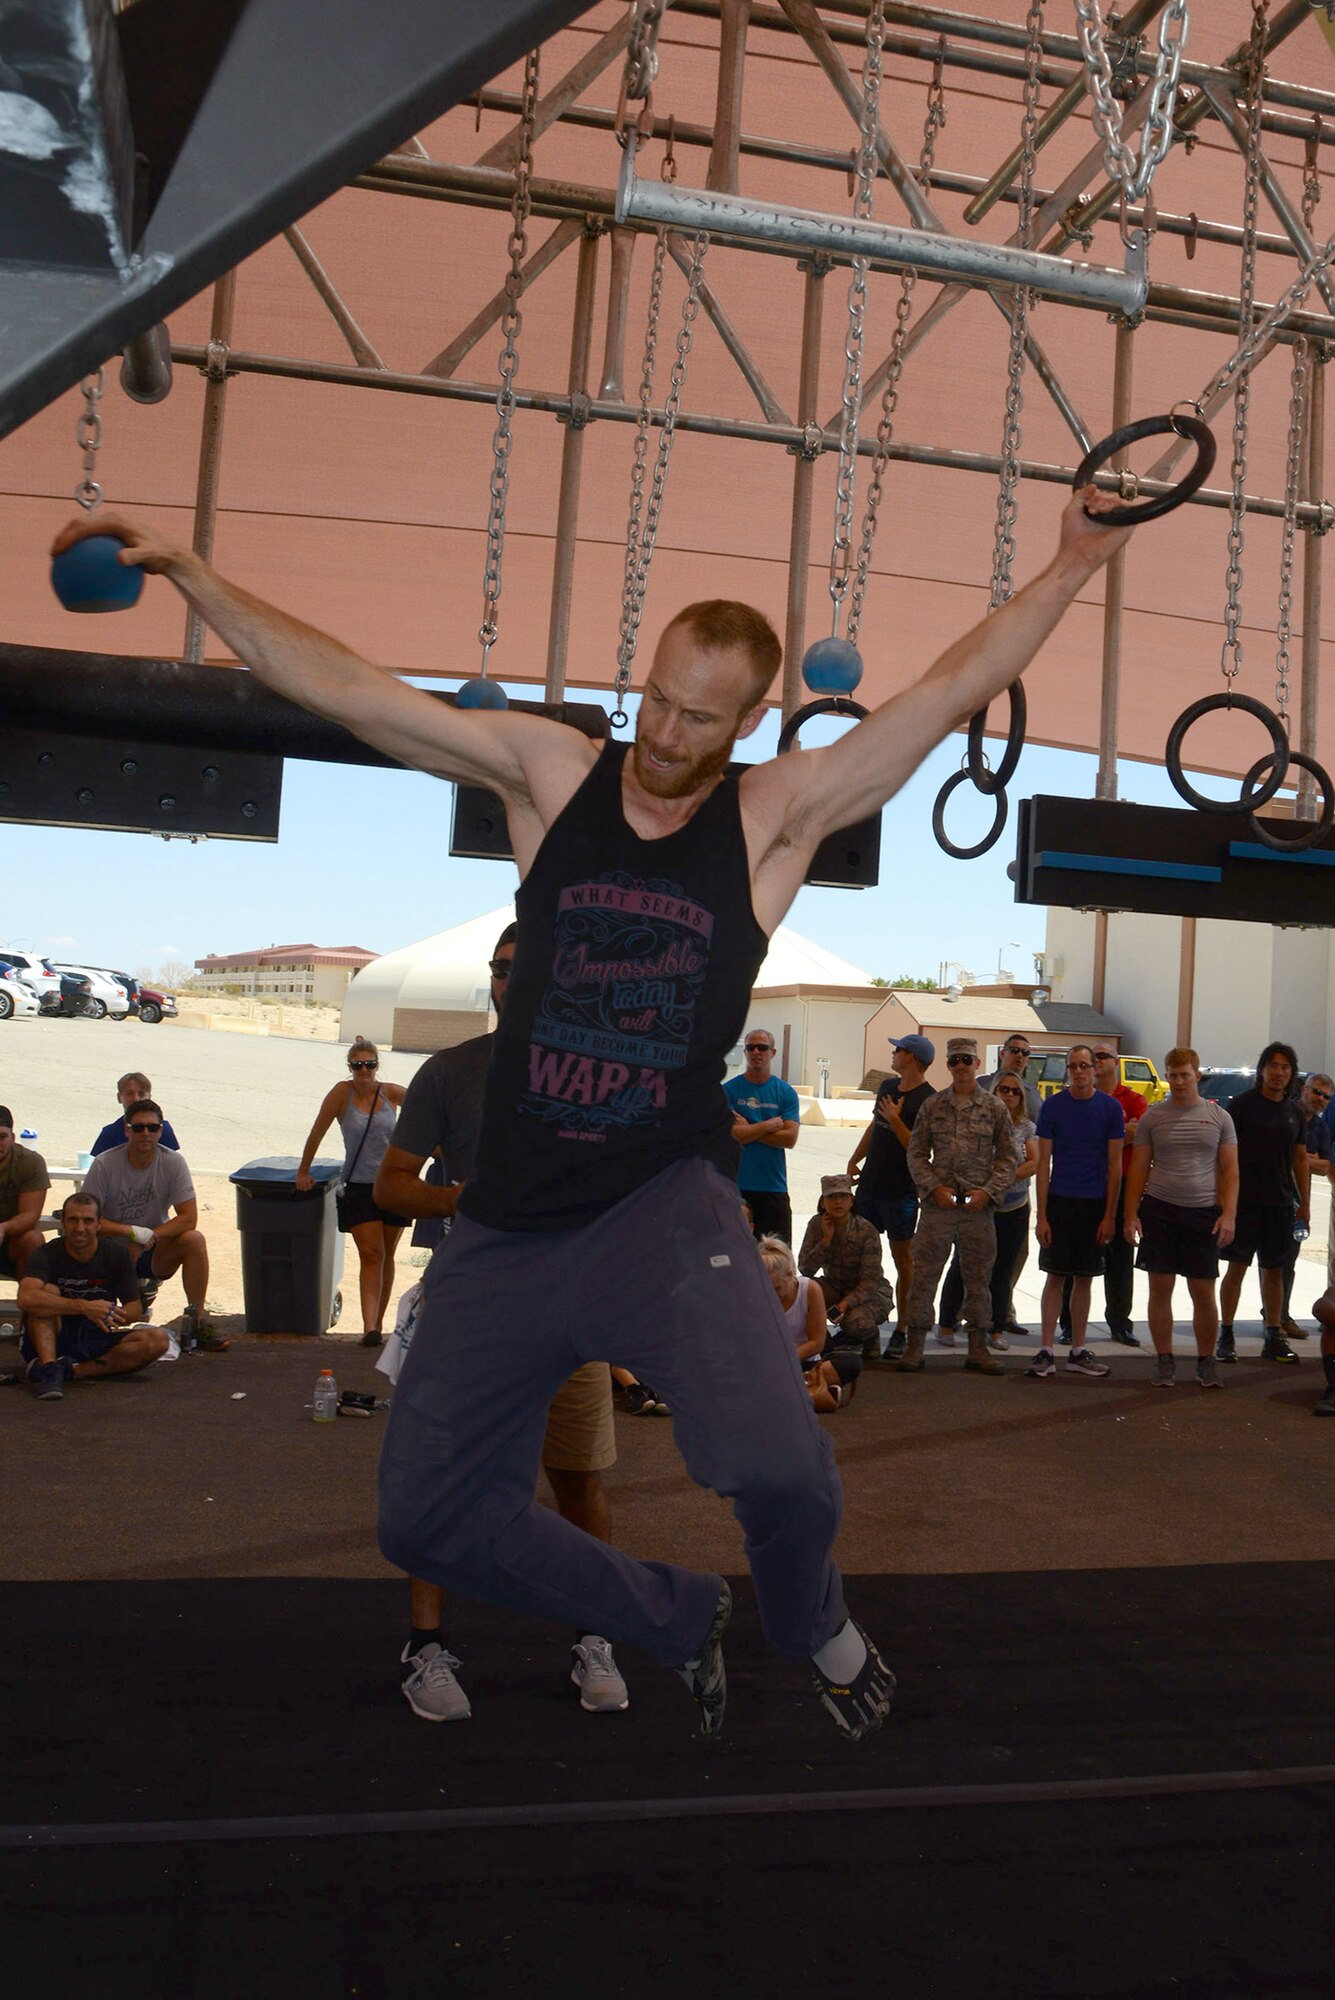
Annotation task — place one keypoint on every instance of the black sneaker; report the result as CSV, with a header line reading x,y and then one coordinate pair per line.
x,y
896,1344
48,1381
1013,1326
704,1675
1326,1407
865,1703
1064,1336
1275,1348
1124,1336
1225,1348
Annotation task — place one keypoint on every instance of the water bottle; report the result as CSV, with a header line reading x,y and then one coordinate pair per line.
x,y
326,1397
1301,1230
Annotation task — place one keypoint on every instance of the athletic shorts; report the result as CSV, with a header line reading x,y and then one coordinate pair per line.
x,y
581,1435
1264,1231
8,1268
78,1339
771,1212
1075,1250
1178,1241
359,1207
896,1215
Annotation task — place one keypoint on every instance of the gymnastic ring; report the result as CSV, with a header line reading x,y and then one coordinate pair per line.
x,y
1311,830
1149,510
1249,802
991,782
829,704
1000,805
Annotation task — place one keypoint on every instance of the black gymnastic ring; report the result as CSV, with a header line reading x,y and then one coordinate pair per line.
x,y
829,704
1311,830
1000,806
991,782
1250,802
1149,510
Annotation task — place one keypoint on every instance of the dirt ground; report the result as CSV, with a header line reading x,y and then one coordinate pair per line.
x,y
302,1024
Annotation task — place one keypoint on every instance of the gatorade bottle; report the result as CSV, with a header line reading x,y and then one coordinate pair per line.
x,y
326,1397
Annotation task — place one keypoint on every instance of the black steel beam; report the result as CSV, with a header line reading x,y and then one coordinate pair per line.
x,y
304,94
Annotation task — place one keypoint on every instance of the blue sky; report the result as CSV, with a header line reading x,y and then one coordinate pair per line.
x,y
363,859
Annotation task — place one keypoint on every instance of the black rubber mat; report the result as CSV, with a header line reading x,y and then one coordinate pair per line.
x,y
252,1702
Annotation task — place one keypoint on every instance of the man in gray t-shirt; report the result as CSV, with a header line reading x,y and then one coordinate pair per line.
x,y
1181,1205
148,1200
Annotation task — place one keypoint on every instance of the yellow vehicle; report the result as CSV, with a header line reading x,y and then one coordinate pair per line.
x,y
1046,1070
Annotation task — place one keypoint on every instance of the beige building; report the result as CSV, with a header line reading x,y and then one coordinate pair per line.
x,y
286,972
988,1014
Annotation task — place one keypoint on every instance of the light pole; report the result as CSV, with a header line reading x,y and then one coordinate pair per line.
x,y
1012,944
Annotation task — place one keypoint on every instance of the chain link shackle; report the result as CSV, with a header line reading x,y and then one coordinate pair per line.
x,y
511,322
642,50
1133,171
1003,545
642,530
851,416
88,434
885,429
1253,74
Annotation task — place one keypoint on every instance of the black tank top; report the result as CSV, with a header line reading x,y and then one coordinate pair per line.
x,y
630,984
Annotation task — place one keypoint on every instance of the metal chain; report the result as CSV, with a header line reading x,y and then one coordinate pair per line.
x,y
885,429
1133,171
850,421
641,539
511,322
642,49
1008,506
1253,73
630,603
1292,485
1312,176
88,432
1252,344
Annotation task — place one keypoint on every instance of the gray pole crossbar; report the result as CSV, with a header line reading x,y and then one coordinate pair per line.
x,y
799,229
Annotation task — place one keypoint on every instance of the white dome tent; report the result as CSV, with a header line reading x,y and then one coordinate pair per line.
x,y
434,993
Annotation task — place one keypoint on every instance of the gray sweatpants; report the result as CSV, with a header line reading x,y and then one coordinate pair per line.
x,y
667,1284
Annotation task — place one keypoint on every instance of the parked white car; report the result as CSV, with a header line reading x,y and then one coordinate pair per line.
x,y
16,996
108,997
37,973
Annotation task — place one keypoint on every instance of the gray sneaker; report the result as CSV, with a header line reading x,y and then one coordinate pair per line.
x,y
1207,1373
1165,1372
1042,1365
594,1672
1081,1362
429,1686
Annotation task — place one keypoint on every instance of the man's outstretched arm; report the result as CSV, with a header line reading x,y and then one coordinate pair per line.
x,y
321,674
857,775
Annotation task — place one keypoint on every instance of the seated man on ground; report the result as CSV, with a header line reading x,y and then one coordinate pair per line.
x,y
843,1250
830,1379
23,1182
133,1088
138,1186
81,1308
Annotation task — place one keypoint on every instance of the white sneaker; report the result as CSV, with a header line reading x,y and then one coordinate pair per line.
x,y
429,1687
594,1672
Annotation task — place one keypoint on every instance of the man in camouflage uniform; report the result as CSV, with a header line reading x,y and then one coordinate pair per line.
x,y
962,1159
842,1251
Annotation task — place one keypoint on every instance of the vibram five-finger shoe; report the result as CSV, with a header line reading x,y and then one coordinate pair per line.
x,y
864,1704
704,1674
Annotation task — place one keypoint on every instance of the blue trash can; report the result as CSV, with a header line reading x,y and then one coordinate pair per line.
x,y
291,1249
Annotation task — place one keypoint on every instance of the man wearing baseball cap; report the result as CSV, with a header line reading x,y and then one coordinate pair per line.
x,y
963,1159
843,1252
886,1196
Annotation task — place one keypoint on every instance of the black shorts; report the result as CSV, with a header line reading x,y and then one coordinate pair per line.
x,y
1176,1241
79,1339
1075,1250
1264,1231
357,1205
896,1215
771,1212
8,1268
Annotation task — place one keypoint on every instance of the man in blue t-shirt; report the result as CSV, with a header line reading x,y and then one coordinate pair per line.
x,y
765,1123
1080,1136
133,1088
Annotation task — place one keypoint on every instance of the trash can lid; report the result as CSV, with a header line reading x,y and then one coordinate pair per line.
x,y
283,1168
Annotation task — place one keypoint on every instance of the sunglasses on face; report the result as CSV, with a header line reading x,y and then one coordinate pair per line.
x,y
144,1128
1007,1090
1313,1091
1104,1055
960,1062
499,968
363,1062
1013,1049
759,1048
1072,1067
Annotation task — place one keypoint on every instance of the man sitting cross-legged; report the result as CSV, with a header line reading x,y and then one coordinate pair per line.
x,y
138,1187
80,1304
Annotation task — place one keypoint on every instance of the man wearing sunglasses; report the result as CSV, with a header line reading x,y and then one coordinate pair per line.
x,y
148,1200
603,1222
765,1123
